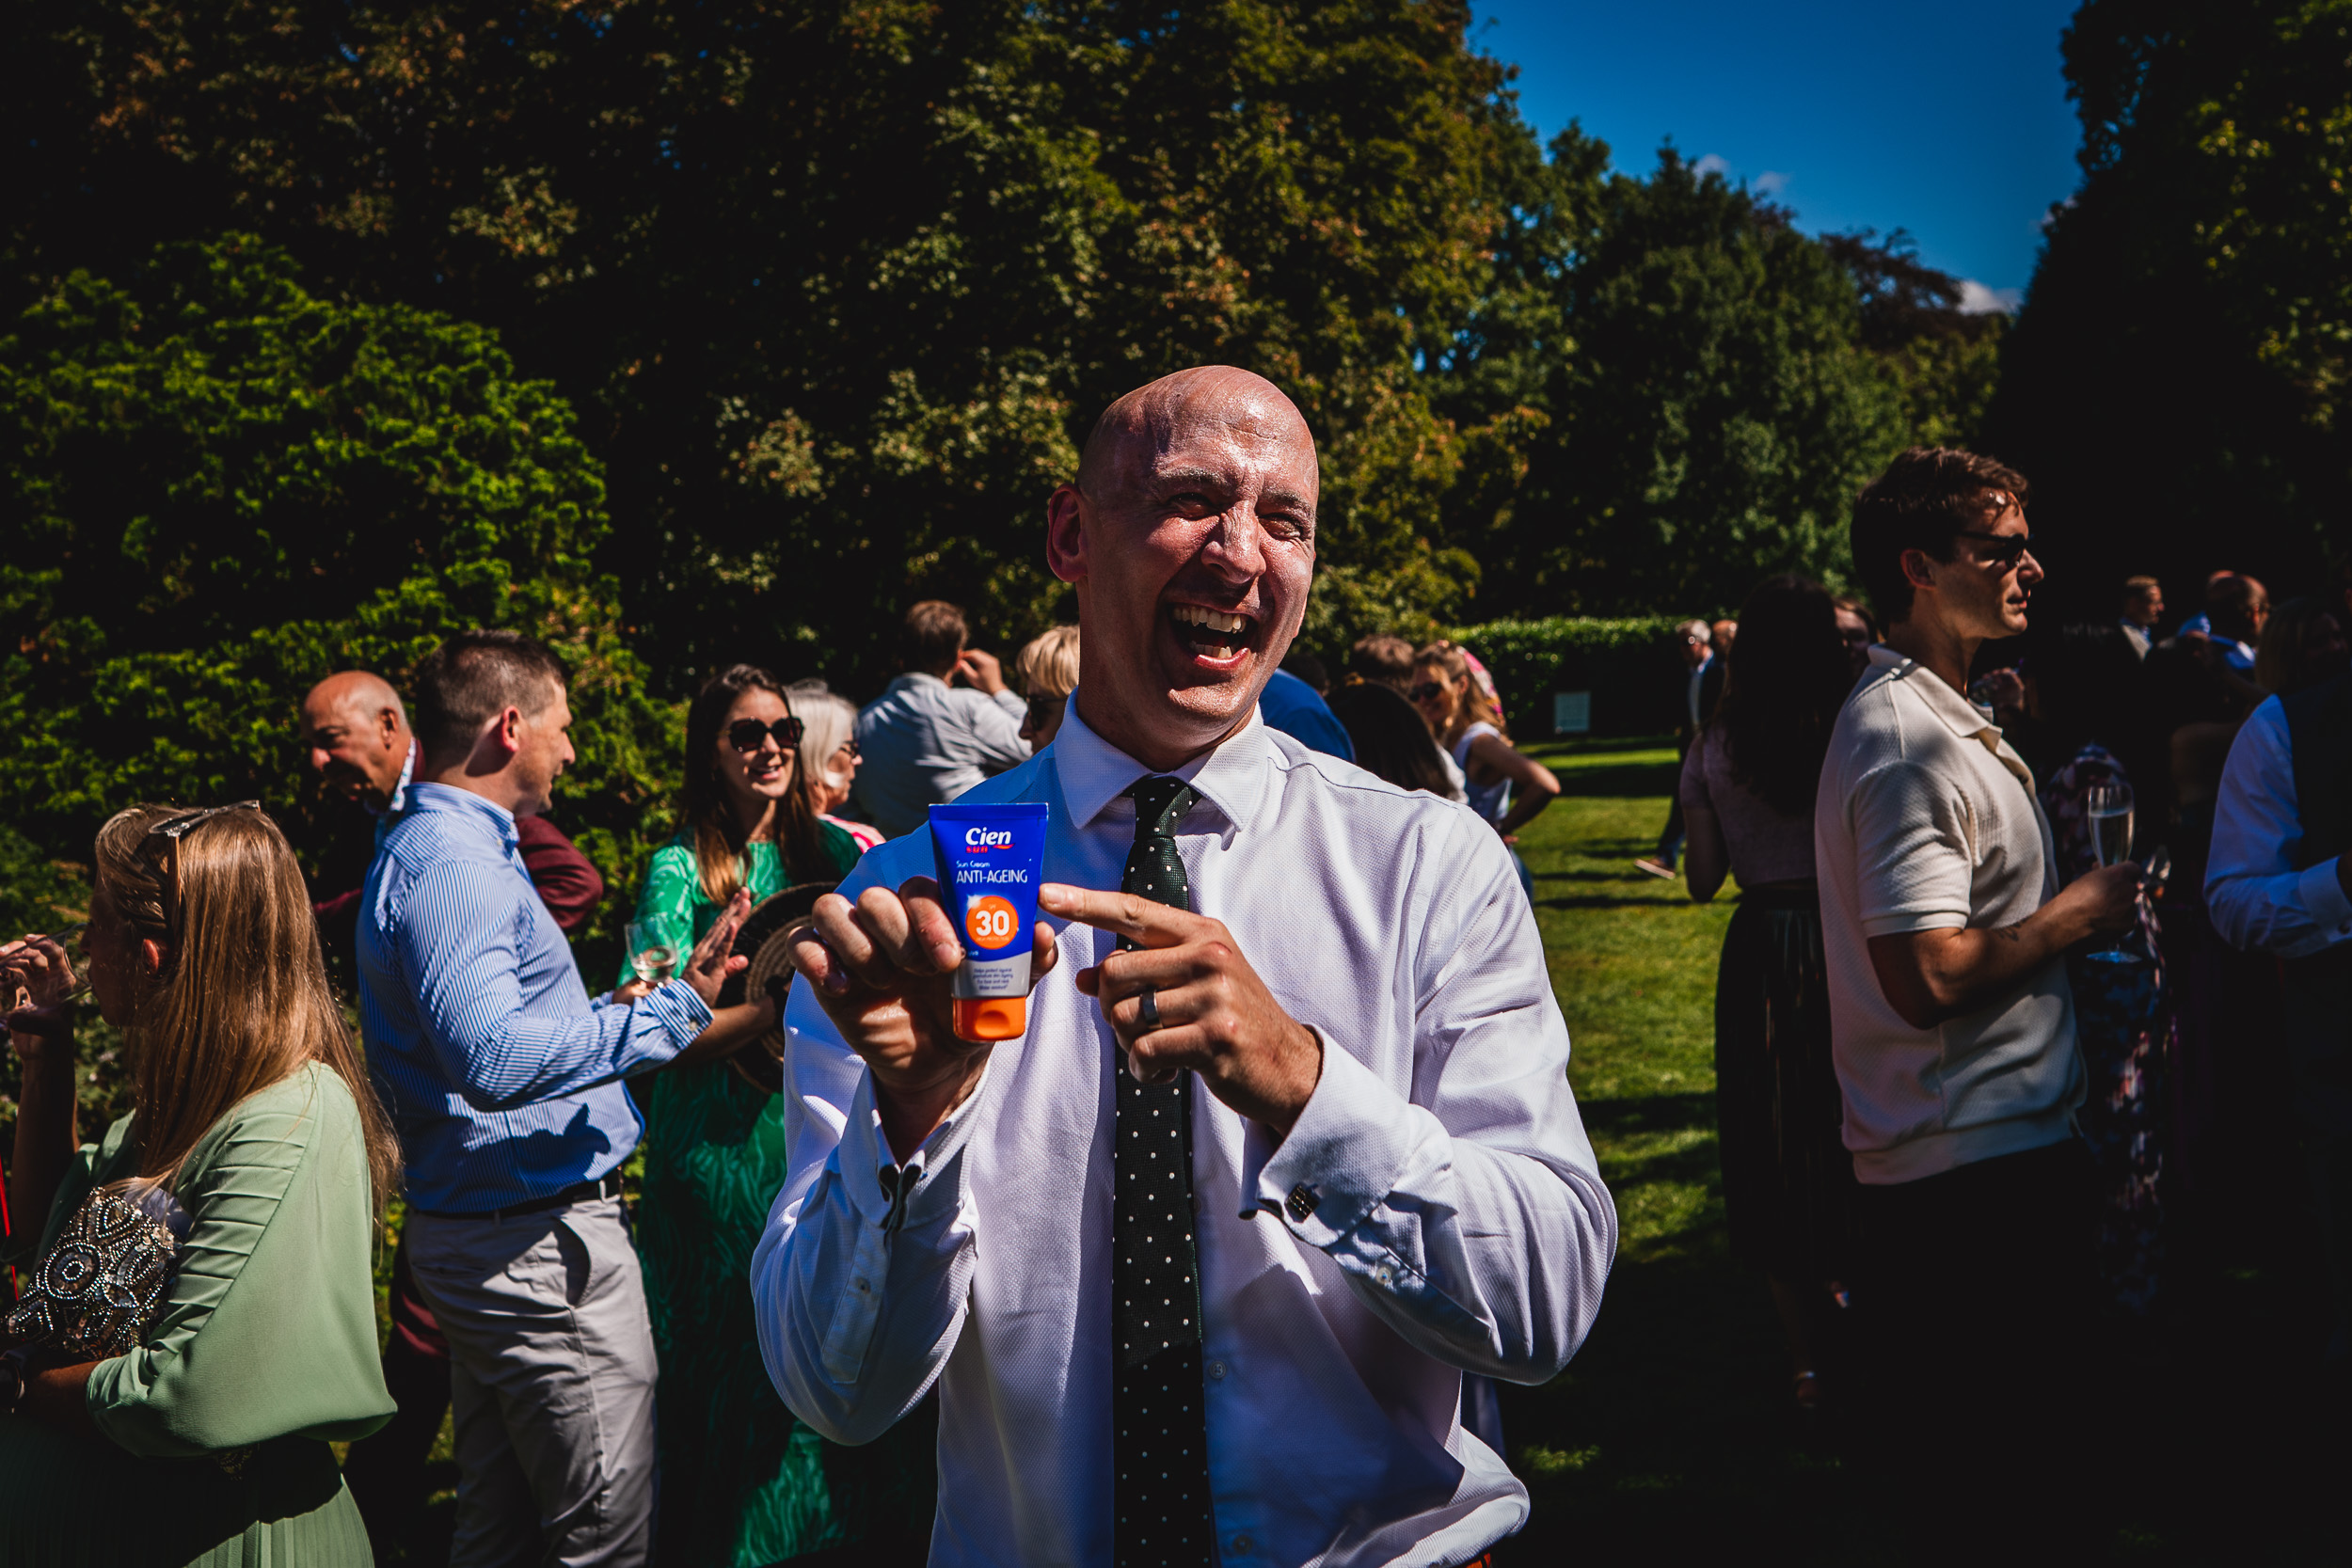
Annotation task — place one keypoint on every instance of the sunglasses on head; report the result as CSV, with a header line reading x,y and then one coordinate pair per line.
x,y
2004,548
748,734
1420,692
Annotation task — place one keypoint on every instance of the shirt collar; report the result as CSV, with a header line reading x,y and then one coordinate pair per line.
x,y
918,677
462,802
398,800
1229,776
1960,716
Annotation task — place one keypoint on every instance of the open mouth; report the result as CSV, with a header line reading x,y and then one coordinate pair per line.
x,y
1215,635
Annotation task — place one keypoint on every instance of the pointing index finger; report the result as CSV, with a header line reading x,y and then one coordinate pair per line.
x,y
1126,914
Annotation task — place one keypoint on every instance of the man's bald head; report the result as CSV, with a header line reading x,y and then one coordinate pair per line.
x,y
357,733
359,691
1149,420
1189,537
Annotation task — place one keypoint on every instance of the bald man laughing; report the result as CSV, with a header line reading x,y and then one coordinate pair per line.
x,y
1199,1263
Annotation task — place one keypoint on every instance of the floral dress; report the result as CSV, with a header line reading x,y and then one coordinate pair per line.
x,y
2124,1023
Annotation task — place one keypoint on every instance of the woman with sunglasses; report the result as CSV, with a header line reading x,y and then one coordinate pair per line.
x,y
742,1480
232,1217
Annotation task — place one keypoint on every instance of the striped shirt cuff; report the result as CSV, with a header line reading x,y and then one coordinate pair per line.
x,y
681,1014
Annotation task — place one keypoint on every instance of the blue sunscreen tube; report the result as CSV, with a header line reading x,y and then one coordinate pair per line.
x,y
991,859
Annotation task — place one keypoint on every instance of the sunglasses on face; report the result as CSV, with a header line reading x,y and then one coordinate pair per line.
x,y
748,734
2001,549
1420,692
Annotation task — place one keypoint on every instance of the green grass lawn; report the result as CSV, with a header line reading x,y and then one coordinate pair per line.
x,y
1670,1436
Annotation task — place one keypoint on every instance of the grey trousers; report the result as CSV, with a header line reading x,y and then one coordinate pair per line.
x,y
551,1384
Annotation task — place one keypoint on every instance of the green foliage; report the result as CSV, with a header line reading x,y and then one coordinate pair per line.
x,y
1698,403
227,488
1632,665
842,281
2177,381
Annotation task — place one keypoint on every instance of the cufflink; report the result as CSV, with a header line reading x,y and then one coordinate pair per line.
x,y
1301,1202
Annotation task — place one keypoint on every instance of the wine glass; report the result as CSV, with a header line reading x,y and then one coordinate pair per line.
x,y
650,953
2108,810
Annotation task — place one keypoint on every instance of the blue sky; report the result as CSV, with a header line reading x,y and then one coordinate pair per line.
x,y
1950,123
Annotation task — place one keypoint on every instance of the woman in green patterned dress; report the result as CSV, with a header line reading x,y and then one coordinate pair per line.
x,y
742,1483
257,1144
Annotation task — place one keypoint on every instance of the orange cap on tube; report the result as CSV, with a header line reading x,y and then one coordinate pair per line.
x,y
990,1018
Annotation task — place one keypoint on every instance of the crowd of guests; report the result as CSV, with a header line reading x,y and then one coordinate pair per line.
x,y
2039,924
590,1358
1977,1050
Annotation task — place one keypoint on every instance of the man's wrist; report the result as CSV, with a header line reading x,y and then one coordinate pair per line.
x,y
911,1113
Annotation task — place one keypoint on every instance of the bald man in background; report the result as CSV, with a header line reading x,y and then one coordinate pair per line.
x,y
356,731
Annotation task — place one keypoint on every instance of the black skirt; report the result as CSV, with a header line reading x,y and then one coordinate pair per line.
x,y
1788,1182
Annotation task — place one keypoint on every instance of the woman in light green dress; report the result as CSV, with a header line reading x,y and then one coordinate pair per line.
x,y
257,1143
742,1483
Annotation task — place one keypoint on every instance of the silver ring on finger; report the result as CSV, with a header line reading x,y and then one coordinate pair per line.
x,y
1147,1009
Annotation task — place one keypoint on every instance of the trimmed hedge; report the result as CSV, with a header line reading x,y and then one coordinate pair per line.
x,y
1632,665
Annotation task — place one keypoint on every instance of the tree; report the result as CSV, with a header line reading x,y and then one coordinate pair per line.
x,y
2175,386
840,283
223,488
1696,402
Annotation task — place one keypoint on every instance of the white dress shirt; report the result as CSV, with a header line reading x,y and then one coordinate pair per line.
x,y
2257,900
1436,1207
923,743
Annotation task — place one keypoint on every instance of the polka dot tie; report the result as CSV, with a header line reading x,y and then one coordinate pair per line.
x,y
1161,1436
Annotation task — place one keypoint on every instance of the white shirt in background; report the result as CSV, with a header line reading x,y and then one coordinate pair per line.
x,y
923,743
1925,821
2257,900
1450,1212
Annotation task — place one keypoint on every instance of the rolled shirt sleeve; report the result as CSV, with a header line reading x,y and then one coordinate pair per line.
x,y
2256,897
465,960
993,720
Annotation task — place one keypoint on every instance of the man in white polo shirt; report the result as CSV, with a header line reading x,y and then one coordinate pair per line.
x,y
1952,1025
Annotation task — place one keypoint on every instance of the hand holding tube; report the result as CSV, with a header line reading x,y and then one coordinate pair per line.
x,y
882,968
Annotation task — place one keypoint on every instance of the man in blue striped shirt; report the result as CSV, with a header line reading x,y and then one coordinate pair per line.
x,y
504,1080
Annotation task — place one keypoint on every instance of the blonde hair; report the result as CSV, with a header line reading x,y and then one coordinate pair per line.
x,y
1477,708
242,1000
1048,667
827,719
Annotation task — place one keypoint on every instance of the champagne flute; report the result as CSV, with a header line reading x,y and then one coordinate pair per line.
x,y
650,953
2107,808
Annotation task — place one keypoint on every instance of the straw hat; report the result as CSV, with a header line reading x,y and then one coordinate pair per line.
x,y
765,939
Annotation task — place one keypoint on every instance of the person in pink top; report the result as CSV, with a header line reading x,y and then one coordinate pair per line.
x,y
1747,807
829,754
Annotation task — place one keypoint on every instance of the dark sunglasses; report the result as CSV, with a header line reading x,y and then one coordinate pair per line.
x,y
748,735
1422,692
2005,549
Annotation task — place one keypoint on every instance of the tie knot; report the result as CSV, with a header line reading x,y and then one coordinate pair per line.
x,y
1159,802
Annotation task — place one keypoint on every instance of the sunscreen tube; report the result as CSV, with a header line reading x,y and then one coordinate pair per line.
x,y
991,859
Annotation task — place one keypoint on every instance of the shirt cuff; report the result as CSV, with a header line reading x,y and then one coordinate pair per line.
x,y
863,1153
681,1014
1341,1160
2323,900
